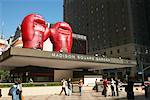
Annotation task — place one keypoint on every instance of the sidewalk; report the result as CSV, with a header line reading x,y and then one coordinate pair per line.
x,y
52,93
89,95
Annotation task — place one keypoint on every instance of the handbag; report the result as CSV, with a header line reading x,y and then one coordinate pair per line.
x,y
11,91
18,91
22,97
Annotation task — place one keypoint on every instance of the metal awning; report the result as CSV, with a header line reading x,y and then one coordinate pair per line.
x,y
21,57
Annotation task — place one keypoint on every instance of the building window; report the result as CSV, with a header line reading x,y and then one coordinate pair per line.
x,y
117,30
125,41
102,6
97,20
93,49
125,49
119,75
104,41
118,50
124,28
103,17
103,24
82,2
122,9
103,29
93,39
112,74
96,9
105,53
111,52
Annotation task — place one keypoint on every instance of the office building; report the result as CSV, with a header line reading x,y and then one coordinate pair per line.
x,y
114,28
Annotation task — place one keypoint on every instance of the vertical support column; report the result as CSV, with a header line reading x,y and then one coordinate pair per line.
x,y
132,71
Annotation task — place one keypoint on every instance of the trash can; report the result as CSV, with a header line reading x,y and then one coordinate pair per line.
x,y
75,88
100,87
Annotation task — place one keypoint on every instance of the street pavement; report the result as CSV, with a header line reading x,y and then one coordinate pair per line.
x,y
87,95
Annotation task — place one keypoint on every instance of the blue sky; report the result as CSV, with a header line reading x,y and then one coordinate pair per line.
x,y
12,12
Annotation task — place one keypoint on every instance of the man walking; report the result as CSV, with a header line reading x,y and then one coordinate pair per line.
x,y
105,84
63,87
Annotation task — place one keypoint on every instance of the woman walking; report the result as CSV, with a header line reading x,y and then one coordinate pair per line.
x,y
80,87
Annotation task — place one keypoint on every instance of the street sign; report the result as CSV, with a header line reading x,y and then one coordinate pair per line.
x,y
140,72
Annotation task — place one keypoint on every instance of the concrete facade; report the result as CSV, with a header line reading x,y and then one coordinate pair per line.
x,y
62,74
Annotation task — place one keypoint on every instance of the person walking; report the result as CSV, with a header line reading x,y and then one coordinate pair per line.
x,y
146,90
19,89
0,93
129,89
30,80
63,86
13,92
80,86
96,85
105,85
69,86
117,83
112,84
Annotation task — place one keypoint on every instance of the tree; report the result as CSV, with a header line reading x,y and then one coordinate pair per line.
x,y
4,74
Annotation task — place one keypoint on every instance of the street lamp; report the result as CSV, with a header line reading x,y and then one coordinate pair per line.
x,y
140,62
96,55
120,57
143,69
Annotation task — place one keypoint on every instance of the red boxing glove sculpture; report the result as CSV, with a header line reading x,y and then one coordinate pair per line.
x,y
61,37
34,31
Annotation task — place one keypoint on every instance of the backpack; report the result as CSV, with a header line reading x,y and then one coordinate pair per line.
x,y
11,91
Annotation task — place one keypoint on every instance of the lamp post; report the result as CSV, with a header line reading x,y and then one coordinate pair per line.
x,y
143,69
140,62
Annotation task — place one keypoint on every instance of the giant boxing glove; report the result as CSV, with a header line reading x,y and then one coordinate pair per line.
x,y
34,31
61,37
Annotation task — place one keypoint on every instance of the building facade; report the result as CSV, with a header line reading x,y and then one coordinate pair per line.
x,y
40,73
114,28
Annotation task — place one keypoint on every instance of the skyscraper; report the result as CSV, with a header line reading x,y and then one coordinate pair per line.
x,y
114,28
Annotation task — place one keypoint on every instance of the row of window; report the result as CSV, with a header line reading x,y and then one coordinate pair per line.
x,y
118,51
111,52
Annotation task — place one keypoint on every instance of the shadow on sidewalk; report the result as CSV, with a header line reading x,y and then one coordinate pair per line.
x,y
137,97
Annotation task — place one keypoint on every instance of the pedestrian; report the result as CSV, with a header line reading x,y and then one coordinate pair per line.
x,y
105,85
0,93
96,85
69,86
146,90
129,89
117,83
112,85
63,86
13,92
30,80
19,89
80,87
